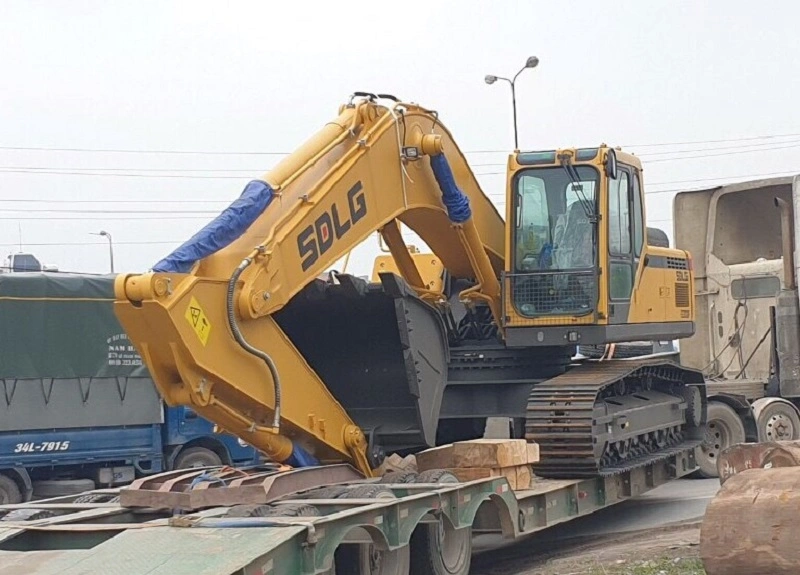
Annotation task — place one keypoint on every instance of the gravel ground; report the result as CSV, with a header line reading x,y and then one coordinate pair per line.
x,y
671,550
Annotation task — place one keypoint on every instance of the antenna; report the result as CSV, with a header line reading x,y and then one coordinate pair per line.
x,y
19,225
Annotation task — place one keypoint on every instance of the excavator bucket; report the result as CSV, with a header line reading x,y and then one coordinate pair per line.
x,y
381,351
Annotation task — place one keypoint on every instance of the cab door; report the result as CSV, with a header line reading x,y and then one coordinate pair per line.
x,y
624,229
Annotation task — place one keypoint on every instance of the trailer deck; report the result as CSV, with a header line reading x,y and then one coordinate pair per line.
x,y
87,538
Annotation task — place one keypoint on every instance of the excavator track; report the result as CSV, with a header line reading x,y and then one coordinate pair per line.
x,y
606,418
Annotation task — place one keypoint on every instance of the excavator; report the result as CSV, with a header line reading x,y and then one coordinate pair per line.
x,y
247,322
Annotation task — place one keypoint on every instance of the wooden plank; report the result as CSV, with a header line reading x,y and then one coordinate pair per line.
x,y
490,453
435,458
518,476
533,453
480,453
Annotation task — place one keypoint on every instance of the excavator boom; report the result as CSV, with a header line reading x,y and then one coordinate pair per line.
x,y
218,321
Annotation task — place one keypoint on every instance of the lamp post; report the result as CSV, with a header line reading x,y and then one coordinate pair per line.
x,y
110,246
531,62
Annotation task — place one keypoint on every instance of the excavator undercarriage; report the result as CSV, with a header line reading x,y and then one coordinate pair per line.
x,y
413,375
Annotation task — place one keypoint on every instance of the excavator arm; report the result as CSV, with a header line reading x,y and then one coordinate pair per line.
x,y
205,318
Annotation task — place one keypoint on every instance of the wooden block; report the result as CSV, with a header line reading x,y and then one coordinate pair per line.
x,y
518,476
524,477
396,463
435,458
533,453
476,453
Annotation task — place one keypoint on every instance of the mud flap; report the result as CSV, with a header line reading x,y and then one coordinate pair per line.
x,y
381,351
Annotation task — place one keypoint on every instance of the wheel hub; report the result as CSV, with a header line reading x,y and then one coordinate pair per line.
x,y
779,427
714,438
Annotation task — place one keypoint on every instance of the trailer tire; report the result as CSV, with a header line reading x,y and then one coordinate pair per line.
x,y
724,428
368,491
27,515
332,492
440,549
273,510
366,559
96,498
288,510
197,457
9,491
60,487
399,477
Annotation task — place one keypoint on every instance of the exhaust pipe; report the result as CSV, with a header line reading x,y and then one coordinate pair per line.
x,y
796,229
787,239
787,307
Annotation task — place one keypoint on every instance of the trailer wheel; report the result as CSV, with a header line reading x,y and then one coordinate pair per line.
x,y
331,492
399,477
288,510
776,420
27,515
197,457
367,559
95,498
724,428
440,549
9,491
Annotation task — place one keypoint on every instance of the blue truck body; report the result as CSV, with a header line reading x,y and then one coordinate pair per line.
x,y
114,455
76,403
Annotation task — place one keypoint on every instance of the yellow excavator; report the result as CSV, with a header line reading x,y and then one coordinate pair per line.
x,y
246,323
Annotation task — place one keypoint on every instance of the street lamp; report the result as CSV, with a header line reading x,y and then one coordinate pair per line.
x,y
110,246
531,62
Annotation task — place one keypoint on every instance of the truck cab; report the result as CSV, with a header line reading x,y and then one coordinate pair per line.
x,y
746,299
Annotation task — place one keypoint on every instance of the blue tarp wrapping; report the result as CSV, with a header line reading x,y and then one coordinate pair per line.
x,y
301,458
221,231
455,201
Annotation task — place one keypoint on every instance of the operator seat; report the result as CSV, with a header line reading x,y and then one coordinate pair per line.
x,y
573,249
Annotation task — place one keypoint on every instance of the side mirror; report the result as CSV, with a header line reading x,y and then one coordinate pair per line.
x,y
611,164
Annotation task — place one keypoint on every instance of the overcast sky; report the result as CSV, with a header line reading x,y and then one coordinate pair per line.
x,y
232,77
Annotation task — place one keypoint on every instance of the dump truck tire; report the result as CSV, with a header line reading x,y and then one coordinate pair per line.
x,y
9,491
440,549
724,428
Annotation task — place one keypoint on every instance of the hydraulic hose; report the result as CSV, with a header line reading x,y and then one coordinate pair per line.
x,y
237,334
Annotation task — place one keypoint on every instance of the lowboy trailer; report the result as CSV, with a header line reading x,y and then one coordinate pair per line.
x,y
326,520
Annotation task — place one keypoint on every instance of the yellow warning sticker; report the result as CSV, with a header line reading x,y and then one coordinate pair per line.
x,y
198,320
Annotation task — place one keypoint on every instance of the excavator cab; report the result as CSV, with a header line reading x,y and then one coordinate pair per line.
x,y
578,268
